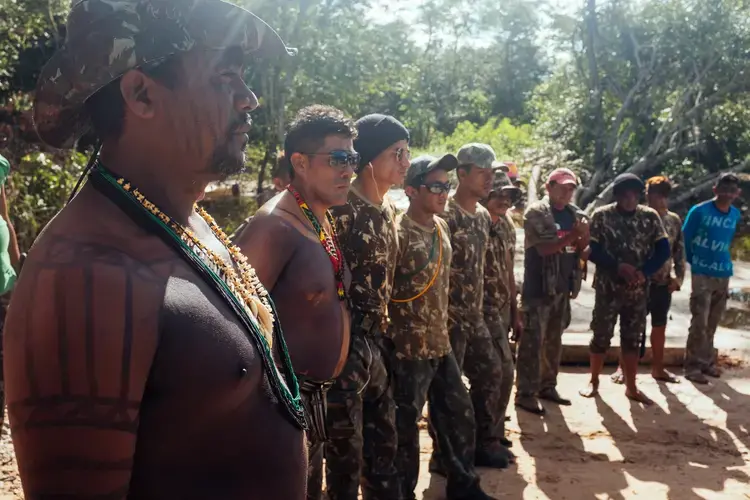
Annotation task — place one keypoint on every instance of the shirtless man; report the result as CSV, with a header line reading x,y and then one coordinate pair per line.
x,y
123,334
283,242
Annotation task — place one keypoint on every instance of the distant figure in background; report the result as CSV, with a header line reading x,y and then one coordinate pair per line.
x,y
628,245
500,305
709,229
662,284
280,177
10,257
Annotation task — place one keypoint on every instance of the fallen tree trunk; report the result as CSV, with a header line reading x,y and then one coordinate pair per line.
x,y
703,188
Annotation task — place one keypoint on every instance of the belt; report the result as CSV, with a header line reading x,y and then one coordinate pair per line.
x,y
313,394
368,324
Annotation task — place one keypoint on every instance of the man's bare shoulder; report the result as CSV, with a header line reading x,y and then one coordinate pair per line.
x,y
274,224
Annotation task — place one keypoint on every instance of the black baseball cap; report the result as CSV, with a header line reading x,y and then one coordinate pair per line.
x,y
423,165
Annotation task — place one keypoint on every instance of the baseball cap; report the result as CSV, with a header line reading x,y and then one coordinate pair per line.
x,y
423,165
106,38
563,176
627,182
475,153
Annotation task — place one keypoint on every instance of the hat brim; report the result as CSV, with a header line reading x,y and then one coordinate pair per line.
x,y
446,162
76,71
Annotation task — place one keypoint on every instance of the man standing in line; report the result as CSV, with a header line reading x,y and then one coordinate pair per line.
x,y
709,229
556,237
628,245
469,223
424,367
169,377
500,305
361,411
662,284
292,243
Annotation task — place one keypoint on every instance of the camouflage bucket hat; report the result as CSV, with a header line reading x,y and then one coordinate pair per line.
x,y
107,38
502,182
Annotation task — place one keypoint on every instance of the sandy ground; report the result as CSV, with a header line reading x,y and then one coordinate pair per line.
x,y
694,443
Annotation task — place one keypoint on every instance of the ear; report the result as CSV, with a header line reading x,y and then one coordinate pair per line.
x,y
410,191
299,163
139,93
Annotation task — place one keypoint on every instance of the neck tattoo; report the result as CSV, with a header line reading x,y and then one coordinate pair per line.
x,y
329,242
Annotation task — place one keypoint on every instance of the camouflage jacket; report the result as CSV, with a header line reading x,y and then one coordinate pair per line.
x,y
500,252
469,239
673,226
368,238
628,239
419,328
539,227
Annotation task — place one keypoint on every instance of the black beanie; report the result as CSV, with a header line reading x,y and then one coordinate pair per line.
x,y
375,134
627,182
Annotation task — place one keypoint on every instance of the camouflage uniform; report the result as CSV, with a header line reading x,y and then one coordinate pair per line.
x,y
546,310
424,367
659,296
628,239
497,299
361,410
470,338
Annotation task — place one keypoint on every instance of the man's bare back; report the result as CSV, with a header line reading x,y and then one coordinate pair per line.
x,y
295,268
138,369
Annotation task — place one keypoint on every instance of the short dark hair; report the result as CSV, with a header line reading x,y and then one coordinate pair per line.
x,y
106,108
466,167
727,178
660,185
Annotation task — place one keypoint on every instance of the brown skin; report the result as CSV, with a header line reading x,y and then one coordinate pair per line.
x,y
474,184
725,195
281,244
498,205
146,355
627,201
560,195
383,172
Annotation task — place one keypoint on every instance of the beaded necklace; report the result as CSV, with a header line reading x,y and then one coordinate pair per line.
x,y
240,288
330,243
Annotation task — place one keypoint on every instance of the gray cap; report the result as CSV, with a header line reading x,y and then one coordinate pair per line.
x,y
423,165
481,155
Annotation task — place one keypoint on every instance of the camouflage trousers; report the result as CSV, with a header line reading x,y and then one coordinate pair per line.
x,y
479,360
708,299
312,393
631,305
499,332
437,381
362,440
540,345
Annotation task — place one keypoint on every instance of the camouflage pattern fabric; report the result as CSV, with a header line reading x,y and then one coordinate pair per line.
x,y
673,227
708,299
419,328
501,251
627,239
469,239
106,38
437,381
315,471
540,346
369,240
362,426
476,153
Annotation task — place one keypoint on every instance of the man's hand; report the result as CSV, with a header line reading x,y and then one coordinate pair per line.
x,y
581,229
627,272
674,285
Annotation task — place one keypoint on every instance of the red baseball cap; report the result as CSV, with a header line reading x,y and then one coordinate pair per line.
x,y
563,176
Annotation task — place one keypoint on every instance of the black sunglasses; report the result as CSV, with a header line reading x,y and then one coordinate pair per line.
x,y
339,159
438,187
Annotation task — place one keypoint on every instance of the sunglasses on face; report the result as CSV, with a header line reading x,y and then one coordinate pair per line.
x,y
340,159
403,154
438,187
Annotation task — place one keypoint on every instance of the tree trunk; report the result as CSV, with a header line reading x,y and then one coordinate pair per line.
x,y
532,190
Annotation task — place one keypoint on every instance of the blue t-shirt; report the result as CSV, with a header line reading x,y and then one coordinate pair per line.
x,y
708,234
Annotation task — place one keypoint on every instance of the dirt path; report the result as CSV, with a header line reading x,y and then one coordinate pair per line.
x,y
692,444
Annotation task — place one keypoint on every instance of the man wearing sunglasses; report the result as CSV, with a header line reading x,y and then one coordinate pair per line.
x,y
293,246
424,367
708,232
500,308
469,223
361,410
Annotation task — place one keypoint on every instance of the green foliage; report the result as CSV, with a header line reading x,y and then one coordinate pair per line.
x,y
510,142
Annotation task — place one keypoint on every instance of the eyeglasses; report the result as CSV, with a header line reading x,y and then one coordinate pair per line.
x,y
403,154
438,187
339,159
